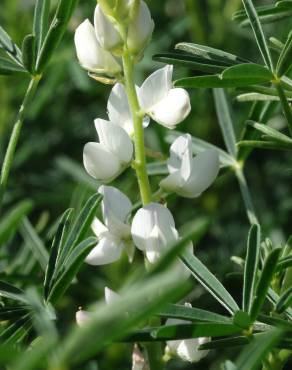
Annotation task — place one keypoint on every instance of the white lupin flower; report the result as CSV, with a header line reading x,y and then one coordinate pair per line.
x,y
190,176
90,54
107,35
114,235
140,29
107,159
186,349
164,104
153,229
82,317
110,296
119,111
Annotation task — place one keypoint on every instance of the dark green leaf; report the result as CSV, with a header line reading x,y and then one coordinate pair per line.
x,y
264,145
276,321
209,281
56,32
71,268
258,32
242,320
14,312
284,263
29,53
285,301
211,53
225,343
56,245
8,68
251,266
264,283
191,314
250,72
41,21
12,220
257,350
10,47
285,59
274,298
11,292
271,132
16,331
225,121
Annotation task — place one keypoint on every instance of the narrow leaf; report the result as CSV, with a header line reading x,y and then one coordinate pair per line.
x,y
264,145
8,68
249,72
41,21
209,281
10,291
271,132
10,47
251,266
29,53
285,301
285,58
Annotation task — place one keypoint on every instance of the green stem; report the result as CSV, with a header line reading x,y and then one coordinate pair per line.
x,y
9,155
140,157
285,105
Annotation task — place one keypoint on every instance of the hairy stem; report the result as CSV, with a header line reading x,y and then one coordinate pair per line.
x,y
9,155
140,157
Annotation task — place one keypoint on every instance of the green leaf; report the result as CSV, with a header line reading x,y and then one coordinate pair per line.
x,y
29,53
224,343
284,263
10,47
176,311
34,243
264,145
199,145
8,68
212,54
274,298
276,321
193,62
251,266
258,32
250,72
253,96
56,245
71,267
285,301
41,21
285,58
56,31
12,220
257,350
209,281
286,4
186,331
242,320
78,230
14,312
225,121
272,133
264,283
11,292
16,331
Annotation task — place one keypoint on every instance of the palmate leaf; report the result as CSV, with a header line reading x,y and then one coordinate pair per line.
x,y
41,21
8,68
270,132
10,47
209,281
273,145
16,331
251,266
285,301
10,291
285,59
274,299
284,263
29,53
13,312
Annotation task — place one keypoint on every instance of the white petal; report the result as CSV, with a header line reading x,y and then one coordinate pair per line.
x,y
110,296
146,219
108,250
140,29
82,317
119,110
171,183
91,56
155,87
108,37
98,228
100,163
188,349
115,140
172,109
205,168
116,207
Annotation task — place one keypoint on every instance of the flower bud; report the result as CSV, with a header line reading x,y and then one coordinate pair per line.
x,y
190,176
90,54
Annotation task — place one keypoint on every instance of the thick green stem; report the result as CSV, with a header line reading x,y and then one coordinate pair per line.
x,y
140,157
9,155
285,105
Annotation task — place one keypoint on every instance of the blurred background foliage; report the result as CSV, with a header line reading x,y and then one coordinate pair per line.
x,y
48,165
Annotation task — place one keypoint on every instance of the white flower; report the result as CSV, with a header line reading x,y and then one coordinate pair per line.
x,y
107,159
114,235
164,104
186,349
110,296
107,35
82,317
190,176
140,29
119,111
90,54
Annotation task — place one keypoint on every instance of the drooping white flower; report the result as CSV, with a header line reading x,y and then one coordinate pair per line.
x,y
107,35
140,29
107,159
119,111
190,176
186,349
91,55
164,104
115,234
